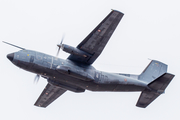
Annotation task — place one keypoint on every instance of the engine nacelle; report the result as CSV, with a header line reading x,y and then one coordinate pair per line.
x,y
80,74
74,51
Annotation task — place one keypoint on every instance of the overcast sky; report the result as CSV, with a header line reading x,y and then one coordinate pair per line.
x,y
149,29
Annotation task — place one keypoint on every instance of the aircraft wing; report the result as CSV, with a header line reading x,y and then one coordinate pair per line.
x,y
95,42
49,94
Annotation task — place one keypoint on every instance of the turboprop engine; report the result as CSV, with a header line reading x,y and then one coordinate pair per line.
x,y
73,50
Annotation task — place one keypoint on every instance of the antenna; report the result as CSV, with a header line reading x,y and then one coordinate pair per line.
x,y
13,45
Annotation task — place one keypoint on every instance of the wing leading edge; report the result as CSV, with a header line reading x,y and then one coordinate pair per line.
x,y
49,94
95,42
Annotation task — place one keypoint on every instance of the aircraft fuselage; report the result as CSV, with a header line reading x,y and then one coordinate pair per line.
x,y
74,76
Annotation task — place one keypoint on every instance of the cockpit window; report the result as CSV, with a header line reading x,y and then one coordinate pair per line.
x,y
24,50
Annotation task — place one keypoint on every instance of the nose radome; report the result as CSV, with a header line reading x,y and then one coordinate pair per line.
x,y
10,56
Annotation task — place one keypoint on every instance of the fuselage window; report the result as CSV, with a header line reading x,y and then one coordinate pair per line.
x,y
39,56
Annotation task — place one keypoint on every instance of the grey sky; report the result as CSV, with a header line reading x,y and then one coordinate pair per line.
x,y
149,29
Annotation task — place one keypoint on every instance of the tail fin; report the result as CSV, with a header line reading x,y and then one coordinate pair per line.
x,y
153,71
155,88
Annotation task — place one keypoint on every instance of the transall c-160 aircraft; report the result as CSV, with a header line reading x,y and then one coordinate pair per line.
x,y
77,74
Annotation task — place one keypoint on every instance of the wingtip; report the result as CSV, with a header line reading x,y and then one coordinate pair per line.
x,y
141,105
116,11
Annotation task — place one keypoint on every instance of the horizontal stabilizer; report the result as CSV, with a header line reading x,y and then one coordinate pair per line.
x,y
162,82
146,98
155,89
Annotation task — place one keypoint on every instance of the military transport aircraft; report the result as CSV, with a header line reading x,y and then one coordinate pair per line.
x,y
77,74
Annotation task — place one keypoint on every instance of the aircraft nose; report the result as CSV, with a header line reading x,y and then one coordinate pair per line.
x,y
10,56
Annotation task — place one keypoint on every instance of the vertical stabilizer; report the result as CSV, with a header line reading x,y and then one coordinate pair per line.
x,y
153,71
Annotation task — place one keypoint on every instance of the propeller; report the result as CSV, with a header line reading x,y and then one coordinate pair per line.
x,y
36,79
60,45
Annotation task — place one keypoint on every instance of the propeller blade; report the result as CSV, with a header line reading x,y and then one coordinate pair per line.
x,y
36,79
60,45
62,39
58,52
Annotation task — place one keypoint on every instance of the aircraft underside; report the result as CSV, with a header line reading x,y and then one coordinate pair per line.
x,y
77,74
90,85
